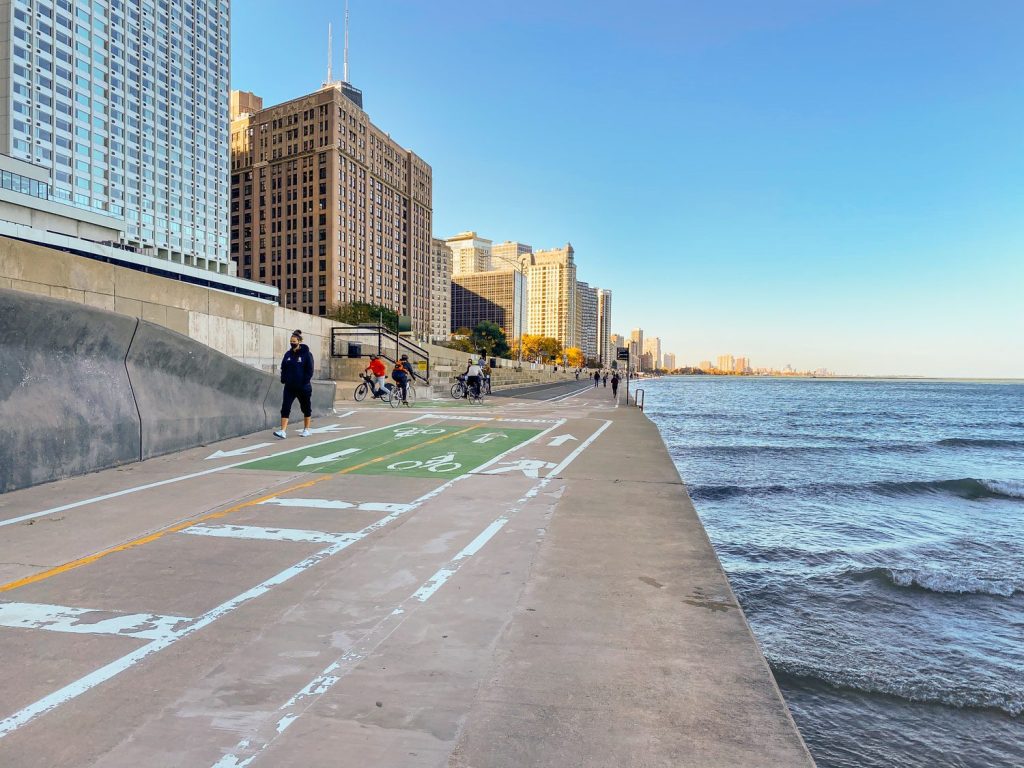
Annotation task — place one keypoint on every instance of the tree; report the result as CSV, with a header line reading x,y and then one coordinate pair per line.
x,y
489,339
574,357
535,346
360,312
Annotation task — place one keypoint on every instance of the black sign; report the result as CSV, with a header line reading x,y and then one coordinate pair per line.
x,y
622,353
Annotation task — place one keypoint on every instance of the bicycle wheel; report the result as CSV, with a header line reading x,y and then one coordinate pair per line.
x,y
360,393
458,390
410,394
396,397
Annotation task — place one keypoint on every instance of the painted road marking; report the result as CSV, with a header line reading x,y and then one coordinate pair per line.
x,y
87,621
179,478
249,748
331,428
82,561
529,467
237,451
413,431
441,464
266,534
75,689
488,436
362,506
313,460
560,440
502,419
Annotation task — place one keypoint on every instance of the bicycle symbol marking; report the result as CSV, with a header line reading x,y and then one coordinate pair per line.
x,y
442,464
413,431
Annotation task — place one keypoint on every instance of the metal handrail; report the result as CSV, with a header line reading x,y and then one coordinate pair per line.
x,y
380,341
638,399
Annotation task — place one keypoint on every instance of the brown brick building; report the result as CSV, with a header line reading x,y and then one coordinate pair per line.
x,y
328,207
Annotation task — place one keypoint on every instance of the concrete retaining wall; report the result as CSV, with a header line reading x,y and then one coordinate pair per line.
x,y
83,389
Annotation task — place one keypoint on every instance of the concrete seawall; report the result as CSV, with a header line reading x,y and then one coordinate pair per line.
x,y
83,389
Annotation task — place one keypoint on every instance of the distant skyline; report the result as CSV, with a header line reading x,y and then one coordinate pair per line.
x,y
825,183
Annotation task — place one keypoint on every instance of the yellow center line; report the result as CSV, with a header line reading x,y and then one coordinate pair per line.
x,y
213,516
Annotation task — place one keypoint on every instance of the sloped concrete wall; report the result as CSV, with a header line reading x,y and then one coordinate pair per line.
x,y
83,389
66,404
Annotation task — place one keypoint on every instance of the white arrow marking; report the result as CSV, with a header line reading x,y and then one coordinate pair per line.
x,y
330,428
328,458
237,451
560,440
487,437
529,467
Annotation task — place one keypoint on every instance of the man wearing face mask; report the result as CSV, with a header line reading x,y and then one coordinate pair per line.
x,y
297,377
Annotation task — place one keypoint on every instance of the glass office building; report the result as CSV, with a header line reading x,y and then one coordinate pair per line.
x,y
114,123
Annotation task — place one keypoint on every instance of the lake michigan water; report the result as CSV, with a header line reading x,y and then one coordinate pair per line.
x,y
873,532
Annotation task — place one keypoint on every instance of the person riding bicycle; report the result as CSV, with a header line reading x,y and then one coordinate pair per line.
x,y
401,373
380,372
485,372
474,373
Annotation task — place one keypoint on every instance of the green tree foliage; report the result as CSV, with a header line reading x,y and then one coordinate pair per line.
x,y
536,347
489,339
360,312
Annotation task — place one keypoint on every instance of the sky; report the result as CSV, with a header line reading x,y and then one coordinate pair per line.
x,y
821,183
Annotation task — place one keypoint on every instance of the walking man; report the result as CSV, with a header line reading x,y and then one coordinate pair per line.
x,y
597,378
297,377
615,385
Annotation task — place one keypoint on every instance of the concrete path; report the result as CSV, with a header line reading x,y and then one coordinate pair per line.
x,y
522,583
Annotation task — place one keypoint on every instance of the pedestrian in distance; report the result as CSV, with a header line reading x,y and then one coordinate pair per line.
x,y
297,377
606,378
597,378
577,374
615,385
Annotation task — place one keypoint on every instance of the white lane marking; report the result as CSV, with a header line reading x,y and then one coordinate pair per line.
x,y
103,674
87,621
363,506
312,460
330,428
489,436
579,449
565,395
190,476
265,534
561,440
248,749
502,419
529,467
237,451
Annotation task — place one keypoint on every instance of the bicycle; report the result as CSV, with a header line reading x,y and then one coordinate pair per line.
x,y
459,387
368,386
476,395
410,395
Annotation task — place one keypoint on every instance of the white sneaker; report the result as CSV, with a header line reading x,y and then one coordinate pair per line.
x,y
305,433
280,433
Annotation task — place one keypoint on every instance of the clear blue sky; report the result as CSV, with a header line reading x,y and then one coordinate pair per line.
x,y
833,183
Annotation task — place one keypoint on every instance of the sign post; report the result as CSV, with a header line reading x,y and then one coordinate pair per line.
x,y
622,353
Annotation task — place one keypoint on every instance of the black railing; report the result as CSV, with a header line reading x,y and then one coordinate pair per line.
x,y
367,340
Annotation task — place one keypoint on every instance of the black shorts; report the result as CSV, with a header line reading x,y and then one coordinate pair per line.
x,y
305,396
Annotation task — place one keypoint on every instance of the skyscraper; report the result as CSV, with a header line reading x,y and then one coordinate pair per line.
x,y
726,363
329,208
605,343
668,361
636,348
470,253
495,296
510,253
652,346
586,320
440,291
114,126
552,295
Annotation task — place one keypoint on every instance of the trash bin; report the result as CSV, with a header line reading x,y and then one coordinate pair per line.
x,y
354,349
494,362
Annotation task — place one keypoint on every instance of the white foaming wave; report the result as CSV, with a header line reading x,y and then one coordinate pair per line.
x,y
1012,488
953,583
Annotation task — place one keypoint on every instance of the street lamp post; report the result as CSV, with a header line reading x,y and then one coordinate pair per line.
x,y
518,267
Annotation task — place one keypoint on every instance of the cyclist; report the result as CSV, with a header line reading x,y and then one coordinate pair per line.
x,y
474,373
485,371
401,373
380,372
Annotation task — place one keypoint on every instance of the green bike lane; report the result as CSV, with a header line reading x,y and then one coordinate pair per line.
x,y
441,450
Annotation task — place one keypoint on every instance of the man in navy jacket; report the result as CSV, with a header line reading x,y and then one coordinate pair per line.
x,y
297,377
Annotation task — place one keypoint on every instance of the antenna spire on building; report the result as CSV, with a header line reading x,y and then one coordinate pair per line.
x,y
346,44
330,79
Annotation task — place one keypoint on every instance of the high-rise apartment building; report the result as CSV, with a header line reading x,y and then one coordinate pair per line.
x,y
586,320
496,296
114,127
668,361
741,365
470,253
552,295
636,348
652,346
706,366
725,363
329,208
510,254
440,291
605,342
